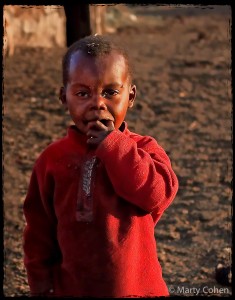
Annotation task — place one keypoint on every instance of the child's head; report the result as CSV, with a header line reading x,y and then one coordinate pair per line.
x,y
94,46
97,82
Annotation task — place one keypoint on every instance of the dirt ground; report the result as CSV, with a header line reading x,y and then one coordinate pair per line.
x,y
182,60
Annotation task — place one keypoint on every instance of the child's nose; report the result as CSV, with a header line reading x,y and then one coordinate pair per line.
x,y
98,102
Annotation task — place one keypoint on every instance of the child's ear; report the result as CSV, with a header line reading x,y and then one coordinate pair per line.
x,y
63,97
132,95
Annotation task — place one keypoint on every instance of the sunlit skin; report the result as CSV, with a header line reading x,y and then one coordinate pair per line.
x,y
98,94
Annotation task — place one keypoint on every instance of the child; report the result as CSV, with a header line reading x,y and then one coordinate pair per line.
x,y
96,194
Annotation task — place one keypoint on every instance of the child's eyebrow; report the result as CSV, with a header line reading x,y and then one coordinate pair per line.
x,y
109,85
114,84
78,84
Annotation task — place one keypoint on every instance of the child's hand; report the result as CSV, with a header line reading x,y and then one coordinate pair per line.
x,y
98,130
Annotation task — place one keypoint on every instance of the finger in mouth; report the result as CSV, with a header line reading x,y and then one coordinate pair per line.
x,y
105,121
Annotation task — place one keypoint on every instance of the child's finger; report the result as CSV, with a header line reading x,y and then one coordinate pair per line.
x,y
98,125
92,133
93,141
110,124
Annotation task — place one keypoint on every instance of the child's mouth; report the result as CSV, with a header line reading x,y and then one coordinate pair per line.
x,y
104,121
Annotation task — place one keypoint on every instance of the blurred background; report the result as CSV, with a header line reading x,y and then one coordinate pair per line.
x,y
182,69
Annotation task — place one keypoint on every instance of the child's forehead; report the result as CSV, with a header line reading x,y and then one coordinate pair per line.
x,y
81,55
85,61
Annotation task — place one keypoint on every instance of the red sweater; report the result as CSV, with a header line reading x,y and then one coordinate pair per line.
x,y
112,251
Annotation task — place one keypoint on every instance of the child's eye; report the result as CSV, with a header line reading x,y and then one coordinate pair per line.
x,y
110,93
82,94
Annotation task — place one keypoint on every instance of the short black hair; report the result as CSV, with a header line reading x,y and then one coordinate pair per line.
x,y
95,46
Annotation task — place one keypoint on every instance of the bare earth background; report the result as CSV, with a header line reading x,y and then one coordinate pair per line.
x,y
182,59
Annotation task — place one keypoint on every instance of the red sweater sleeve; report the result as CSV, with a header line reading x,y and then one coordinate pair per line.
x,y
140,171
39,243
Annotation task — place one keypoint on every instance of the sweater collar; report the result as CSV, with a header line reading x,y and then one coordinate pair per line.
x,y
76,135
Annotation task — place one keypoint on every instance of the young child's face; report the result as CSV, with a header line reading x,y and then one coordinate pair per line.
x,y
98,89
